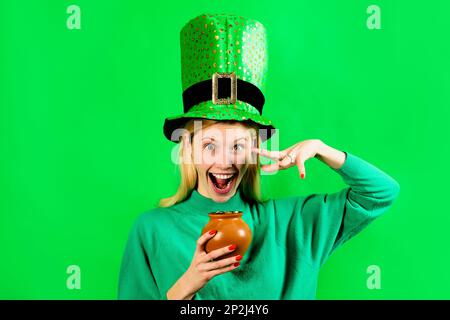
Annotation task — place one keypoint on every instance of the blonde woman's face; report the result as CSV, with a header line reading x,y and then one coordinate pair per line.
x,y
221,154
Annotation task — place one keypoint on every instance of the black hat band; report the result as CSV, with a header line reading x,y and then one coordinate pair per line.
x,y
205,91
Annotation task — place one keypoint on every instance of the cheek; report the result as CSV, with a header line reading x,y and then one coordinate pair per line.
x,y
242,169
201,171
203,159
242,159
206,157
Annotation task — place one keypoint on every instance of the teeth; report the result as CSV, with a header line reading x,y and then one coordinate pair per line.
x,y
222,176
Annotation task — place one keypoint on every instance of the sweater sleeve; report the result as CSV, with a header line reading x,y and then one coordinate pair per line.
x,y
136,279
332,219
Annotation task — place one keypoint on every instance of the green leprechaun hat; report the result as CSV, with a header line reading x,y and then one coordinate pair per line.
x,y
223,67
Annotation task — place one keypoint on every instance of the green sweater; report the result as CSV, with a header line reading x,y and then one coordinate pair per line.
x,y
292,239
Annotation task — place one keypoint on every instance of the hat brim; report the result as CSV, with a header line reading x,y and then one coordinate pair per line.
x,y
176,122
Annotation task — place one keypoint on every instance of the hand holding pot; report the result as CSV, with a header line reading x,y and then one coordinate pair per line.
x,y
203,268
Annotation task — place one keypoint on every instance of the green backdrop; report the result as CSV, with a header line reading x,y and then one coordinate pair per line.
x,y
82,152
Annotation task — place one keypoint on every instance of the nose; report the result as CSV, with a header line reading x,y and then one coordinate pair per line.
x,y
224,158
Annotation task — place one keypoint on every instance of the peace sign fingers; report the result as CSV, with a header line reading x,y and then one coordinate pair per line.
x,y
283,159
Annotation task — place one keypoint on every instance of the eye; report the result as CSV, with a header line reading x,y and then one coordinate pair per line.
x,y
208,146
238,147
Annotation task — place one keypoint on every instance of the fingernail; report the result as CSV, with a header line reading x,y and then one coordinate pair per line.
x,y
302,175
238,257
232,247
212,231
236,264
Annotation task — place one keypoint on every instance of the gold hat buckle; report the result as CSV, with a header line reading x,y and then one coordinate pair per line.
x,y
215,88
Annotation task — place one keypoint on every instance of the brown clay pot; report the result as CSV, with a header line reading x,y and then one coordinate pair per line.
x,y
231,229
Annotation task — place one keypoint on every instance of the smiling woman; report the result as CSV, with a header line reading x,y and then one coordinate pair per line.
x,y
216,159
219,165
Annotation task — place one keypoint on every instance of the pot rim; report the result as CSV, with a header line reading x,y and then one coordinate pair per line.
x,y
225,214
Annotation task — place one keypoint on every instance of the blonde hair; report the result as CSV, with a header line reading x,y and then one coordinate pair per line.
x,y
249,186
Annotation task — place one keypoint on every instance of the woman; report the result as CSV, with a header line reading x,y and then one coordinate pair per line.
x,y
219,164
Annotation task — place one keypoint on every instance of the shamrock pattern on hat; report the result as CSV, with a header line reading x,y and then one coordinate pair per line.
x,y
223,43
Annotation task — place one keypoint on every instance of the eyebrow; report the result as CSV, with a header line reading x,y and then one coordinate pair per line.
x,y
211,138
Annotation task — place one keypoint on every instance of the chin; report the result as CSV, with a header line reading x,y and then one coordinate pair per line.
x,y
220,197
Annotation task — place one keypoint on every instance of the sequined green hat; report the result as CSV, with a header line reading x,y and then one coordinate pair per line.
x,y
223,67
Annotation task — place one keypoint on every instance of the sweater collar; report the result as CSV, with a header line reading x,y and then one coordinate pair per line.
x,y
206,205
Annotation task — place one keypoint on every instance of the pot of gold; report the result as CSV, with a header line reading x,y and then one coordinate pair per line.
x,y
231,229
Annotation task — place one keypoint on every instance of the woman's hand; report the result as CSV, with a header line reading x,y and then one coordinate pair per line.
x,y
203,269
299,153
294,155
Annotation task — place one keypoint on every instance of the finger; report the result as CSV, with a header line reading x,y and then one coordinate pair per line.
x,y
301,167
287,161
216,272
271,167
217,253
275,155
208,266
203,239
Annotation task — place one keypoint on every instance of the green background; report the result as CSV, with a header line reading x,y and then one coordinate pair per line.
x,y
82,152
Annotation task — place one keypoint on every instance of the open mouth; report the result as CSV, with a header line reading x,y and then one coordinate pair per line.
x,y
222,183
